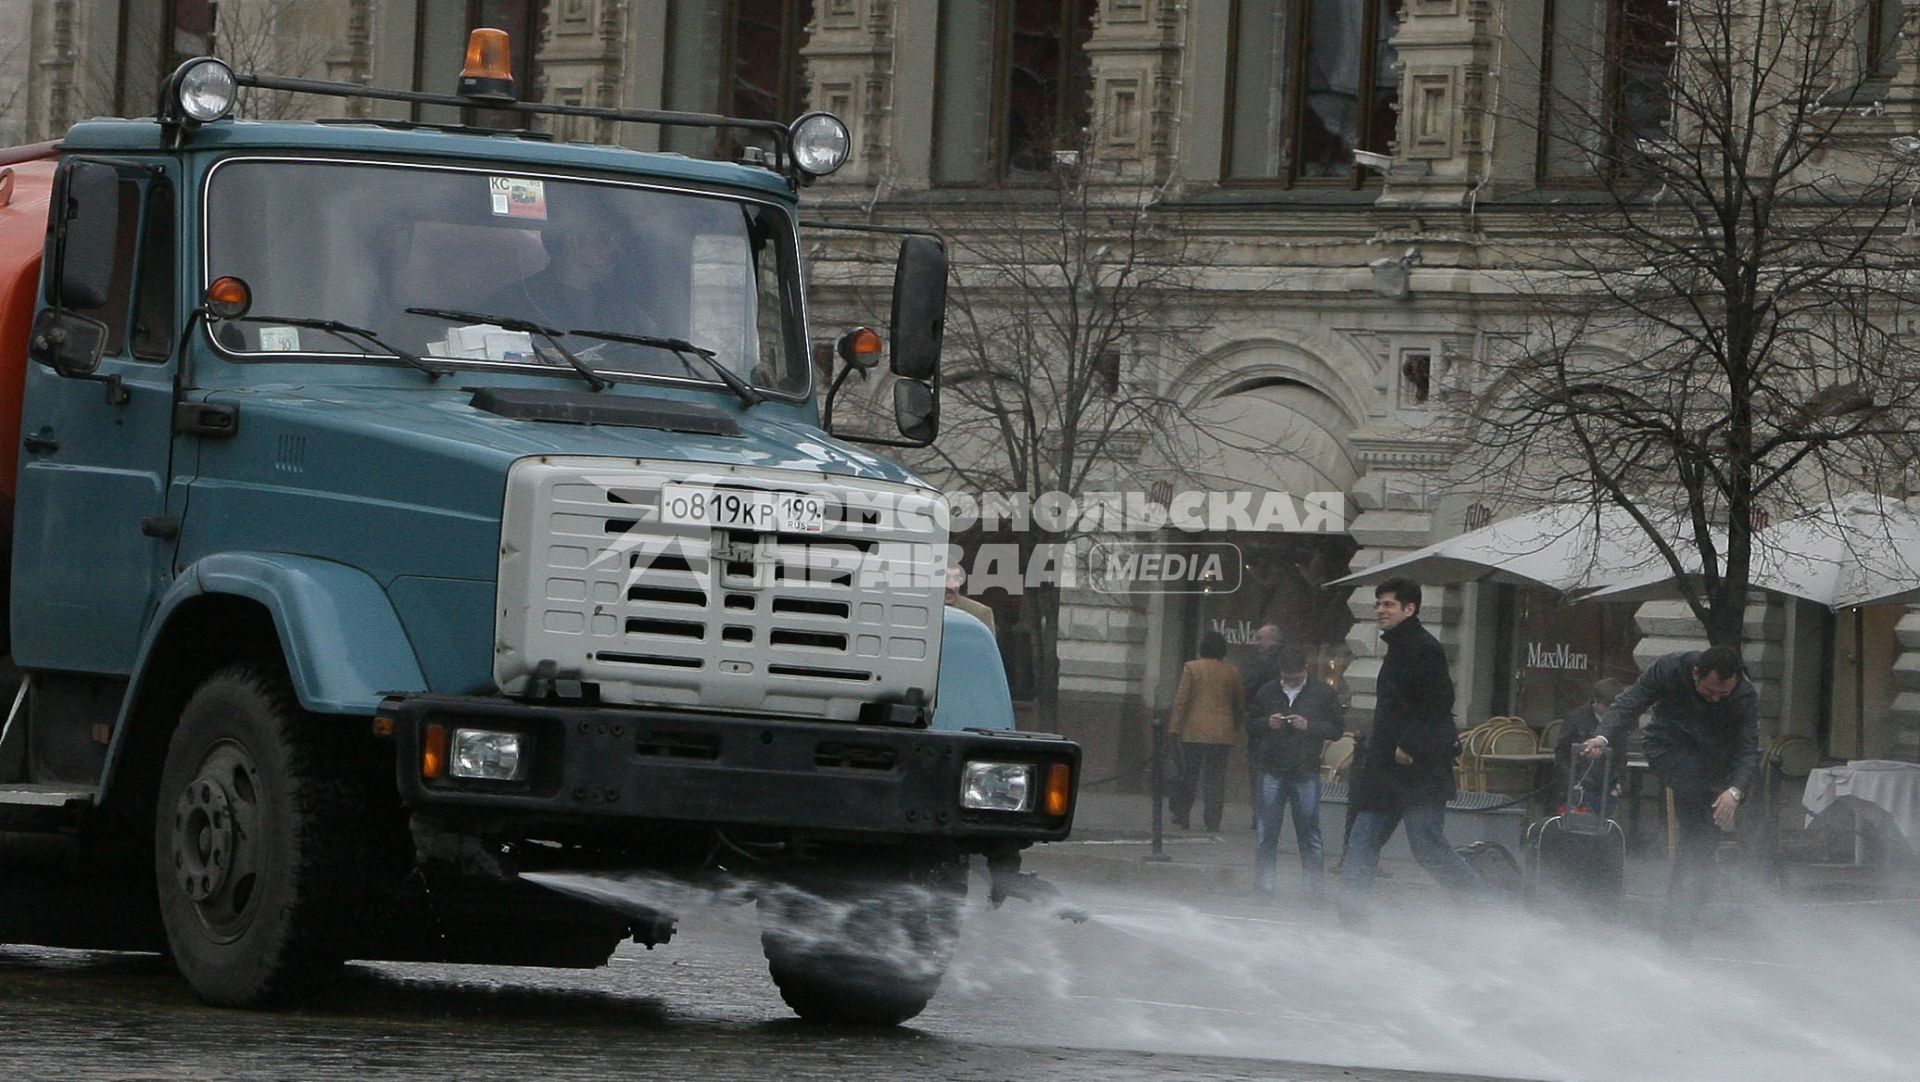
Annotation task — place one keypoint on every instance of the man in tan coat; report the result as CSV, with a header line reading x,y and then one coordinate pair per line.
x,y
955,578
1206,717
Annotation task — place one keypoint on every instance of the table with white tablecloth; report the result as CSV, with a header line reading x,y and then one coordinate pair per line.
x,y
1891,786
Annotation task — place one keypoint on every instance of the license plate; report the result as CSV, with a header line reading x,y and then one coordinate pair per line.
x,y
742,509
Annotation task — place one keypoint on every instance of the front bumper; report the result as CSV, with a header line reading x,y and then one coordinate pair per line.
x,y
601,763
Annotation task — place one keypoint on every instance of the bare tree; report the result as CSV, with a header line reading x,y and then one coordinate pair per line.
x,y
1717,327
1071,306
281,37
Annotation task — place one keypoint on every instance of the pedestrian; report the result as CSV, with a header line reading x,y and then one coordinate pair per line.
x,y
956,577
1408,775
1704,745
1260,668
1582,723
1296,717
1207,710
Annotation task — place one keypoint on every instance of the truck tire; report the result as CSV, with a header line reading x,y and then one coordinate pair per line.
x,y
860,954
257,842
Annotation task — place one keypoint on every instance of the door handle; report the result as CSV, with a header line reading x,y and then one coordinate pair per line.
x,y
41,441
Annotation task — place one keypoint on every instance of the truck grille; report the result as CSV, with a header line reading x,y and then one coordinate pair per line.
x,y
648,612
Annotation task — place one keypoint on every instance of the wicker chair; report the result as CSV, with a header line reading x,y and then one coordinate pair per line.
x,y
1550,733
1470,774
1336,758
1508,777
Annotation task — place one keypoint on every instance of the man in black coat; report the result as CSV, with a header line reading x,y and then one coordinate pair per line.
x,y
1408,775
1704,743
1291,718
1259,669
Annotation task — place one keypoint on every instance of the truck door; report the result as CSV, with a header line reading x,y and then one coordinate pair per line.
x,y
92,549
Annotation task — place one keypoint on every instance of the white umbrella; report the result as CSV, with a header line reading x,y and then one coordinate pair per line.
x,y
1860,550
1563,547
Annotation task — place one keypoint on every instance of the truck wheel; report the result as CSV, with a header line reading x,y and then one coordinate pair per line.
x,y
256,842
854,955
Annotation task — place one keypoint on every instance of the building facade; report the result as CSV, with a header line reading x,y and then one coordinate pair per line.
x,y
1358,173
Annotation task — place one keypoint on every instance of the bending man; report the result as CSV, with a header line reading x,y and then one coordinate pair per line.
x,y
1704,743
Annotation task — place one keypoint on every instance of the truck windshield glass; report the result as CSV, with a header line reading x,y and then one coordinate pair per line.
x,y
361,243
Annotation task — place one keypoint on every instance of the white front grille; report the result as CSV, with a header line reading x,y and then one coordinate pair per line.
x,y
814,625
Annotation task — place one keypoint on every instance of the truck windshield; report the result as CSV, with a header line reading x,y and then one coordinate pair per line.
x,y
363,242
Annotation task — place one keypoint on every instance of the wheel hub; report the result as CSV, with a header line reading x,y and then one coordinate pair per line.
x,y
203,838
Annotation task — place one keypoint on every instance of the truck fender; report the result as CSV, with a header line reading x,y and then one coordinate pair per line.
x,y
973,680
342,641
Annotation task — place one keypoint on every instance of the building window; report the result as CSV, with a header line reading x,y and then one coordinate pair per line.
x,y
1880,37
1310,82
1416,377
1012,87
738,58
1605,66
1106,374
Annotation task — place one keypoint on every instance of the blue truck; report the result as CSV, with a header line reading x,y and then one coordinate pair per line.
x,y
407,517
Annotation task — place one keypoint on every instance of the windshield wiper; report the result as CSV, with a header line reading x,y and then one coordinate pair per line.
x,y
683,349
508,323
347,332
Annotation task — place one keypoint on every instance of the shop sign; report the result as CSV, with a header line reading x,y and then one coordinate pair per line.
x,y
1236,632
1542,655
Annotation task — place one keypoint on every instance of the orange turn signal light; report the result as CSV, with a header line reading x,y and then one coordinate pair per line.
x,y
1059,789
433,752
383,726
228,297
488,74
861,346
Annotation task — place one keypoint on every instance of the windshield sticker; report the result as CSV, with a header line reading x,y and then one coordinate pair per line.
x,y
518,197
484,342
280,339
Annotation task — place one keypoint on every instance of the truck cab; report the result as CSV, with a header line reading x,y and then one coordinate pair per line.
x,y
411,518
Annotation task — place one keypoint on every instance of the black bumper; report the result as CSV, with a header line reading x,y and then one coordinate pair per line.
x,y
812,777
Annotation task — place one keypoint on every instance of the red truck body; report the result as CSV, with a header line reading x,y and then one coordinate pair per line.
x,y
24,191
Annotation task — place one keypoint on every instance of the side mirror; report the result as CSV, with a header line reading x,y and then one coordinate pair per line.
x,y
68,342
916,409
919,307
88,219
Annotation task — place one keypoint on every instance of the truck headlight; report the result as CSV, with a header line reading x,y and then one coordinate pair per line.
x,y
821,143
488,755
202,90
1006,787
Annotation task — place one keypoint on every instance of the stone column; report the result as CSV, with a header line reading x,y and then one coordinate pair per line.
x,y
1395,504
1135,55
1442,150
849,73
1904,720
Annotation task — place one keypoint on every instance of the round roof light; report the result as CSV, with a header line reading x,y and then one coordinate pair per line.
x,y
205,89
821,143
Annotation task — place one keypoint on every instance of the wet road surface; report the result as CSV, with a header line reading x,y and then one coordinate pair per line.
x,y
1149,989
700,1007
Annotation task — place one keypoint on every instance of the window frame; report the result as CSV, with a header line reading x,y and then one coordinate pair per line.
x,y
1358,177
793,91
1074,53
1612,95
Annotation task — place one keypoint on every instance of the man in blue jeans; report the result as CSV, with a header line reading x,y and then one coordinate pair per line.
x,y
1408,776
1291,717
